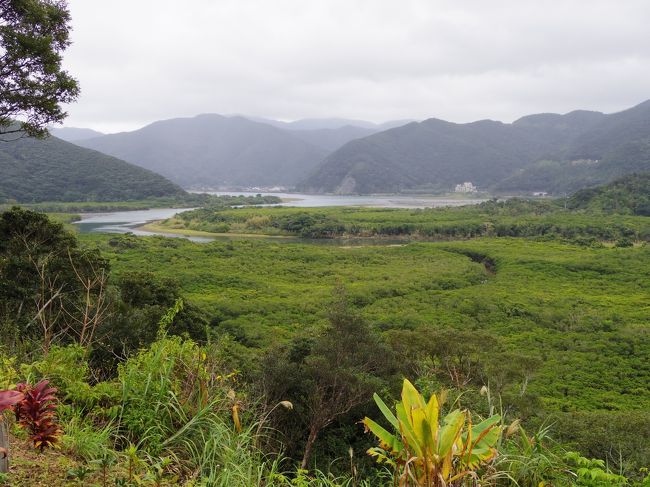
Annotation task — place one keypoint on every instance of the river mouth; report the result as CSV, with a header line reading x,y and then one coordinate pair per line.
x,y
303,200
139,229
135,221
121,222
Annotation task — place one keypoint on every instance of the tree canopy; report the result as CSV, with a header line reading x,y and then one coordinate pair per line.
x,y
33,83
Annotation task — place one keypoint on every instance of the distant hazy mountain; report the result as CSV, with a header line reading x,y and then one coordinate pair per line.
x,y
329,123
332,133
332,139
73,134
215,151
545,152
54,170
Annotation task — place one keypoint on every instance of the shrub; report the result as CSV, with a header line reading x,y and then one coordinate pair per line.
x,y
425,452
36,413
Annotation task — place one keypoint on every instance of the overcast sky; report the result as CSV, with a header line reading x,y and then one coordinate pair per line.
x,y
143,60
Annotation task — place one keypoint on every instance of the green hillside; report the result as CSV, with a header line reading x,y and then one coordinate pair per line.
x,y
214,151
544,152
630,194
54,170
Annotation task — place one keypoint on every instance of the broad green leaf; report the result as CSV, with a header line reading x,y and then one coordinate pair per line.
x,y
406,429
489,438
422,429
388,414
485,424
411,398
433,410
387,440
449,433
449,448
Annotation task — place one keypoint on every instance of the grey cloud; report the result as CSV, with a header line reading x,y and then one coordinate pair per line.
x,y
142,60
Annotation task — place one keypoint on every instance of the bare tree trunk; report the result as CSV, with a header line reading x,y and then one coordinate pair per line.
x,y
95,305
313,434
4,444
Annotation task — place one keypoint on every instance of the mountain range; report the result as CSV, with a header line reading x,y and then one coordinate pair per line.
x,y
544,152
216,151
74,134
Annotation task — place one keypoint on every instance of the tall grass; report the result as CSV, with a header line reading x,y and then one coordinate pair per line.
x,y
86,441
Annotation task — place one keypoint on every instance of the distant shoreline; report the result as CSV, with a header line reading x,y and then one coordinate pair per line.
x,y
156,227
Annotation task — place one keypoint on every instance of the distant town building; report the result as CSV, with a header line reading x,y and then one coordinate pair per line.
x,y
540,193
466,187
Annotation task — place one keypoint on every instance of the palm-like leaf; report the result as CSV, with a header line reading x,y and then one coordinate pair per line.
x,y
429,451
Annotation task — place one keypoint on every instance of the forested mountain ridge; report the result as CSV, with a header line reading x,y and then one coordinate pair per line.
x,y
543,152
213,150
54,170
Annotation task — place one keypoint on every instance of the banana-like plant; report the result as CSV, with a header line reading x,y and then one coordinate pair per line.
x,y
429,451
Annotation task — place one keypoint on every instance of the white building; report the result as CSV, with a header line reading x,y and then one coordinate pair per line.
x,y
466,187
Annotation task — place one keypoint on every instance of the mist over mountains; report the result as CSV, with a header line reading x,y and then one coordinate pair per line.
x,y
216,151
541,152
74,134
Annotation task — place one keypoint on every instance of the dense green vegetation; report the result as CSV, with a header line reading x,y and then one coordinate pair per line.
x,y
545,152
184,200
262,358
630,195
540,296
53,170
514,218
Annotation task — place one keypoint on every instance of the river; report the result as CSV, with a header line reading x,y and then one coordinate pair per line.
x,y
131,221
397,201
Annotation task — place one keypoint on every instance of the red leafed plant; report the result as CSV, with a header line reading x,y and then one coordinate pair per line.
x,y
36,413
7,400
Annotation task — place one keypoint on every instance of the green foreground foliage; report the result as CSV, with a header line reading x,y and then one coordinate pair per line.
x,y
260,376
34,86
427,449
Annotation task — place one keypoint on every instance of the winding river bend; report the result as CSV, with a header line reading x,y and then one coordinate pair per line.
x,y
131,221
